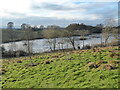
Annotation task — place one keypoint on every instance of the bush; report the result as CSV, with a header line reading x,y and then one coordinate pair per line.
x,y
87,47
18,53
2,49
113,43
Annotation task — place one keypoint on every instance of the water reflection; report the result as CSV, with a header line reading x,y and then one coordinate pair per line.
x,y
41,45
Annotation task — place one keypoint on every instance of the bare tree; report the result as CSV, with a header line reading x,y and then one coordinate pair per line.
x,y
69,34
115,33
12,34
100,26
28,36
82,33
108,29
51,34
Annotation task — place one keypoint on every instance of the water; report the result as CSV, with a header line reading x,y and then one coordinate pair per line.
x,y
41,45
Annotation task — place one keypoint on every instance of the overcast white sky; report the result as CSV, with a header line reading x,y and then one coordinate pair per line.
x,y
58,12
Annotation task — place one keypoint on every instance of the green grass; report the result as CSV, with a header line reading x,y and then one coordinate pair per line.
x,y
66,70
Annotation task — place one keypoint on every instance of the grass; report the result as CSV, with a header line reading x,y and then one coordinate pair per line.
x,y
65,70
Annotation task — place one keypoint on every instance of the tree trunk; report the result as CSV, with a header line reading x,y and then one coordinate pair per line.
x,y
51,49
54,44
106,40
101,41
73,43
83,42
29,51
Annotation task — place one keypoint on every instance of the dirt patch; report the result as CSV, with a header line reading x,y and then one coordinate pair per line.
x,y
19,61
51,60
114,54
55,56
114,62
32,64
102,65
47,62
107,67
2,71
101,62
92,65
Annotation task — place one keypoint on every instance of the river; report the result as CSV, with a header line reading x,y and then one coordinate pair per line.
x,y
41,45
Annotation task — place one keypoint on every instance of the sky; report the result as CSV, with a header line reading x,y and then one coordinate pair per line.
x,y
57,12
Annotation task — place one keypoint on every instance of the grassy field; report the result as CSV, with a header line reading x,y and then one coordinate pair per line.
x,y
94,68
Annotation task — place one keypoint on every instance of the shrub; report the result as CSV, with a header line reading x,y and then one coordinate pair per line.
x,y
14,53
87,47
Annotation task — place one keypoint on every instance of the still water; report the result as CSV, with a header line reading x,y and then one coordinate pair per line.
x,y
42,45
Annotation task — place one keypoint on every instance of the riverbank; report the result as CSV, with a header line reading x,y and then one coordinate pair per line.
x,y
18,35
22,53
70,69
21,40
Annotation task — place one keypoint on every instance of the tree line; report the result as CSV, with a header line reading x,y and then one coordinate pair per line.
x,y
51,33
74,26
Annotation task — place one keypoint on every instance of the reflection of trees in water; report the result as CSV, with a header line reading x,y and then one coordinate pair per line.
x,y
62,43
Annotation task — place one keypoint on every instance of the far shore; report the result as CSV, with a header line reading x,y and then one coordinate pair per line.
x,y
20,40
3,42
